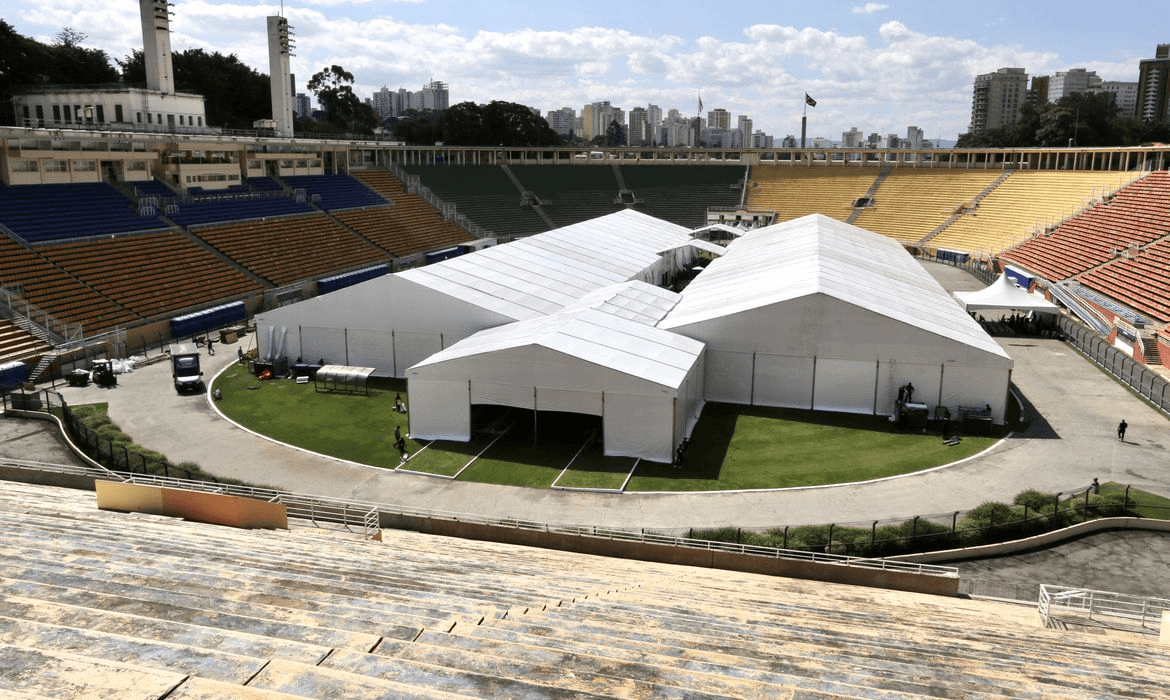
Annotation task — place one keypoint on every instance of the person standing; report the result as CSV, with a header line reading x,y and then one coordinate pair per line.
x,y
1121,430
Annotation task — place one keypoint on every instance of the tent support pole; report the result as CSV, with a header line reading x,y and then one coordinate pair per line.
x,y
942,373
876,379
812,394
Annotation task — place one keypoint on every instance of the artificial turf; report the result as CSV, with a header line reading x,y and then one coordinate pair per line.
x,y
733,447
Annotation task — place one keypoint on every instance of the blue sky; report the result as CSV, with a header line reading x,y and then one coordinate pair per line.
x,y
876,66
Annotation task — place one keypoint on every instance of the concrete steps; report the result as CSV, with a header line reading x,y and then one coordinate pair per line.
x,y
105,604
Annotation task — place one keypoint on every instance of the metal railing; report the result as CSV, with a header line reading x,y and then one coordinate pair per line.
x,y
366,517
1146,382
1145,611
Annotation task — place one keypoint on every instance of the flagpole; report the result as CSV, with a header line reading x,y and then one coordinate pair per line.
x,y
803,121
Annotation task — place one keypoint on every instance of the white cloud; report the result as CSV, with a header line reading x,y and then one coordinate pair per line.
x,y
869,8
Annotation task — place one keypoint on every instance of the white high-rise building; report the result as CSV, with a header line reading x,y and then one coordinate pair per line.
x,y
435,95
1065,83
997,98
853,138
562,121
914,137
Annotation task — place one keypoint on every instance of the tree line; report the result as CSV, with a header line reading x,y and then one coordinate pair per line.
x,y
1080,119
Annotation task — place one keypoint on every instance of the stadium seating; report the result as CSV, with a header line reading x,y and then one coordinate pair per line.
x,y
911,203
17,343
292,248
484,194
330,192
101,604
259,198
55,291
570,194
796,191
41,213
681,194
1135,217
409,216
152,274
1024,203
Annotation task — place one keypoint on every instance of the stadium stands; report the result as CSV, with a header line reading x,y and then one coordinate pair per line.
x,y
1024,203
98,603
45,213
259,198
285,250
152,274
17,343
682,195
484,194
911,203
55,291
409,225
795,191
330,192
570,194
1135,217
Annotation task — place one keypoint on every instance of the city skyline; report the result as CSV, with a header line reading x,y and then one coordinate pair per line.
x,y
876,66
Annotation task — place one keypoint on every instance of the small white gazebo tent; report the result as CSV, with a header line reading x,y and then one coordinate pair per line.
x,y
1004,294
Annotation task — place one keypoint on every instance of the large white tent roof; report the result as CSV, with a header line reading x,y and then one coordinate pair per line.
x,y
1005,294
541,274
816,254
612,328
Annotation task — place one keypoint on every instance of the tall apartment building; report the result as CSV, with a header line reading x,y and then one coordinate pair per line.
x,y
1153,96
719,119
435,95
914,137
1038,93
654,119
563,121
745,131
1124,96
639,133
853,138
997,99
1074,80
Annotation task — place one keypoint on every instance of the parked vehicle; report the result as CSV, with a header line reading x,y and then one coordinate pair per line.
x,y
185,368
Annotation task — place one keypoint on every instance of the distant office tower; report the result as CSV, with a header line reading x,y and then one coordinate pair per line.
x,y
914,137
1153,97
280,84
639,134
997,99
563,121
654,119
719,119
383,102
434,95
302,105
853,138
1038,93
1072,81
745,131
1124,96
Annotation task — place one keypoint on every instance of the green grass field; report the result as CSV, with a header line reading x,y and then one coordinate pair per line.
x,y
733,447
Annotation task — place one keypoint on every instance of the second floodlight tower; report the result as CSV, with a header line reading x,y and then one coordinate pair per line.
x,y
279,51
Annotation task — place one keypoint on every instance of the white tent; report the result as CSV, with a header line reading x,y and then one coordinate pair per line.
x,y
818,314
602,356
1004,294
395,321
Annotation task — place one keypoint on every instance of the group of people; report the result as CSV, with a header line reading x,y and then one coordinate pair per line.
x,y
399,441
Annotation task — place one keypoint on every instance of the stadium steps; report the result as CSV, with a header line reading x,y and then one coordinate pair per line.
x,y
18,344
869,194
320,613
62,675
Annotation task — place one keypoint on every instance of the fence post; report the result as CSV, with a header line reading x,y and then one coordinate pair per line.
x,y
1087,501
829,546
1025,517
1125,499
873,534
785,537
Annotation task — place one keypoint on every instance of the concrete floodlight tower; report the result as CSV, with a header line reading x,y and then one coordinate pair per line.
x,y
279,50
156,45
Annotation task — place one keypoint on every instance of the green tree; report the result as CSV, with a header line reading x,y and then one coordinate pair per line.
x,y
615,135
512,124
73,64
333,87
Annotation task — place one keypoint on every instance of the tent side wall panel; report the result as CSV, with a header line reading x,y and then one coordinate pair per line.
x,y
924,377
639,426
728,376
844,385
439,410
782,380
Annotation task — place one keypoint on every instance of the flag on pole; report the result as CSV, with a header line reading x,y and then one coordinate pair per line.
x,y
809,101
700,110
